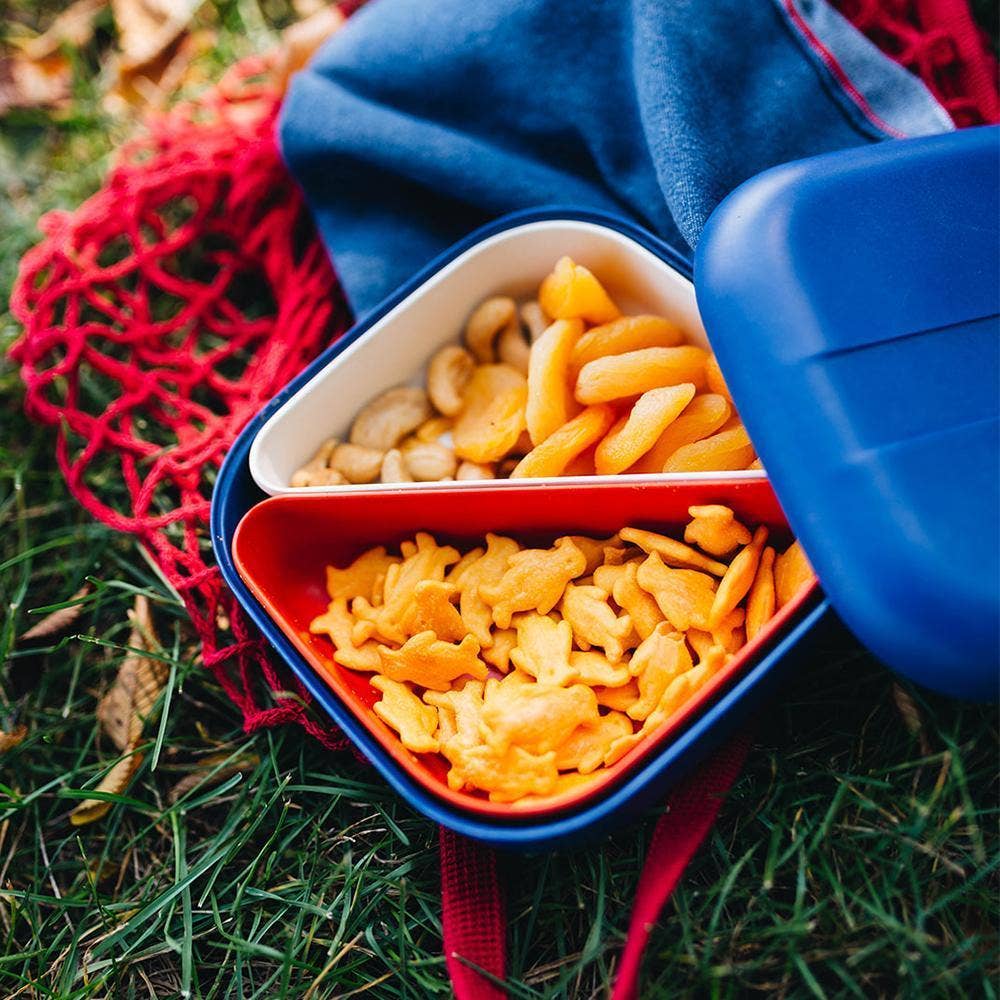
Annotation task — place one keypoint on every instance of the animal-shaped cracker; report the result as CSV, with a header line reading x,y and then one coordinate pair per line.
x,y
534,581
490,567
715,530
507,775
729,632
639,604
593,622
432,609
537,717
791,573
338,624
498,655
455,574
543,648
359,579
761,599
621,699
586,746
735,585
567,782
464,706
400,708
660,658
672,552
432,663
593,549
606,576
596,670
685,596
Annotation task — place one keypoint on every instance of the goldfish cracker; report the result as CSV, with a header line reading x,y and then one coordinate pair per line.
x,y
636,372
714,529
558,450
716,383
702,417
534,581
635,434
586,746
550,401
661,657
593,548
401,709
360,577
362,631
672,552
455,575
476,613
735,585
498,653
492,418
760,600
338,623
628,333
432,663
685,596
432,609
566,782
593,621
543,648
638,603
723,452
536,717
792,572
507,776
596,670
729,634
620,699
607,576
572,292
464,705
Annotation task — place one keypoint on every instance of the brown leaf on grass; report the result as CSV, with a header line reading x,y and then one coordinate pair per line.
x,y
57,621
123,710
213,770
300,41
10,740
74,26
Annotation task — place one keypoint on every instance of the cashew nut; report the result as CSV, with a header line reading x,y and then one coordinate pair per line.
x,y
394,468
512,348
431,430
447,374
485,323
388,418
316,472
429,461
534,319
357,463
475,470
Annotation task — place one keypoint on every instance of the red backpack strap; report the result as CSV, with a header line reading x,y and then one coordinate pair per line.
x,y
473,919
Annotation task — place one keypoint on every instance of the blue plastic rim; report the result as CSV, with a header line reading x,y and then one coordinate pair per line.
x,y
235,493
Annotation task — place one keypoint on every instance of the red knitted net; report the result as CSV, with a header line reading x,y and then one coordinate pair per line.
x,y
166,310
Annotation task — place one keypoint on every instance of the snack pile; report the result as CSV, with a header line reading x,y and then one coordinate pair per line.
x,y
529,669
562,386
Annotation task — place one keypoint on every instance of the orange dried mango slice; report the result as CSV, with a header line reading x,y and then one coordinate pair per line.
x,y
635,434
628,333
359,579
432,609
672,552
722,452
586,746
703,416
559,449
593,621
572,292
492,418
536,717
432,663
636,372
638,603
685,596
543,648
596,670
792,572
735,585
534,581
401,709
338,623
661,657
716,383
714,529
488,568
761,599
550,401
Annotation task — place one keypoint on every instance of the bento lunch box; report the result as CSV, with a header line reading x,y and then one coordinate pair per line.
x,y
851,497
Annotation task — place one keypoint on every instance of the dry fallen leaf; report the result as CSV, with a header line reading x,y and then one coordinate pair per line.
x,y
204,774
123,710
74,26
10,740
300,41
57,621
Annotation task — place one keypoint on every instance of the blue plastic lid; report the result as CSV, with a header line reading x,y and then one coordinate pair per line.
x,y
852,300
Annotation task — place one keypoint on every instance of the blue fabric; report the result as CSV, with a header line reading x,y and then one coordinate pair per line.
x,y
419,121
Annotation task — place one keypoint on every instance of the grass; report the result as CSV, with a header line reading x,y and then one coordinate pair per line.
x,y
857,855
